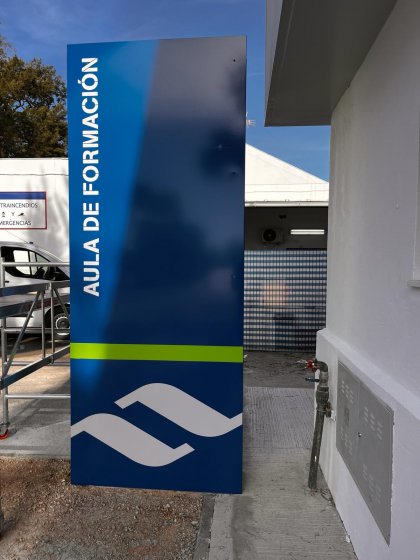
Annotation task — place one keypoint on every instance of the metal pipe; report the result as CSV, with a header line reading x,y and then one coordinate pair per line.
x,y
34,366
323,408
65,310
52,321
4,425
26,363
37,396
21,334
36,265
43,324
7,379
34,330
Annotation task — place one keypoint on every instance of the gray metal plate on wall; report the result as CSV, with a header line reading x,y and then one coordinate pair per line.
x,y
347,417
364,440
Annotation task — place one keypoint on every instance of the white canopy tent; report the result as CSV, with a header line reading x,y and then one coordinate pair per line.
x,y
269,181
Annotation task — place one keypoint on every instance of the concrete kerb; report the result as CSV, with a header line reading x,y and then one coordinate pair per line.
x,y
202,547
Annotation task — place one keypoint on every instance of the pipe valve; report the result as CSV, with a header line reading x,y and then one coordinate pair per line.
x,y
323,408
309,364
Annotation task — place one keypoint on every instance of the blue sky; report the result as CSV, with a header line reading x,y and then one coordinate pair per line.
x,y
43,28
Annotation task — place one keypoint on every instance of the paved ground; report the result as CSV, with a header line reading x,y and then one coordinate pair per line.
x,y
276,517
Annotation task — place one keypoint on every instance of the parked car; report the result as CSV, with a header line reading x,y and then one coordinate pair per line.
x,y
34,272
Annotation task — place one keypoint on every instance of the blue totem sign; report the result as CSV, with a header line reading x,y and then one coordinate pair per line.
x,y
157,150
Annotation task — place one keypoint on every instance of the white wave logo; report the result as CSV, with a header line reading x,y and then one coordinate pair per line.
x,y
168,401
182,409
130,440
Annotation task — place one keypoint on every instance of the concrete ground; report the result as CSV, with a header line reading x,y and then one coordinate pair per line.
x,y
39,427
276,517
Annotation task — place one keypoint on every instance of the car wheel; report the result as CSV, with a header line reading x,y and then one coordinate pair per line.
x,y
61,321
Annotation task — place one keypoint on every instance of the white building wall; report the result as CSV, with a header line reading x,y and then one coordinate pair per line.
x,y
41,174
373,316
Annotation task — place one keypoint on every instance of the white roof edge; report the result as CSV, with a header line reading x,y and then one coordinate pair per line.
x,y
281,203
273,160
33,166
271,182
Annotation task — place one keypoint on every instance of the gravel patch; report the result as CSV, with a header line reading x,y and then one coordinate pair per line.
x,y
46,518
277,369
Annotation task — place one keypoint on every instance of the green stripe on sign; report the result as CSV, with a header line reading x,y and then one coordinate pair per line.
x,y
156,352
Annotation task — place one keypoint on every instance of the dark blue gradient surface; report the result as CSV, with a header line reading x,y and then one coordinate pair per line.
x,y
172,149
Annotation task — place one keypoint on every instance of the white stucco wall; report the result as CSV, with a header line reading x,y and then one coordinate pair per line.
x,y
40,174
373,316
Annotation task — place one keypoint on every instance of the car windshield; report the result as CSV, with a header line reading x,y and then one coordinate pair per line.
x,y
29,259
49,256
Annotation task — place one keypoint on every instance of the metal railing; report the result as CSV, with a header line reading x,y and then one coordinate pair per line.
x,y
23,301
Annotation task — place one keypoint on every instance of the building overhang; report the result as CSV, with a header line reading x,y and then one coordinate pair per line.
x,y
313,50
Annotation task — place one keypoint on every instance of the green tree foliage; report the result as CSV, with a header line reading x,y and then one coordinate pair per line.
x,y
32,108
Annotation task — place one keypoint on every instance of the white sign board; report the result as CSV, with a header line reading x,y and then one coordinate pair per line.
x,y
23,210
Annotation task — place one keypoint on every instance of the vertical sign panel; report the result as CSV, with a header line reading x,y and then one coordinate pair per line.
x,y
156,140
